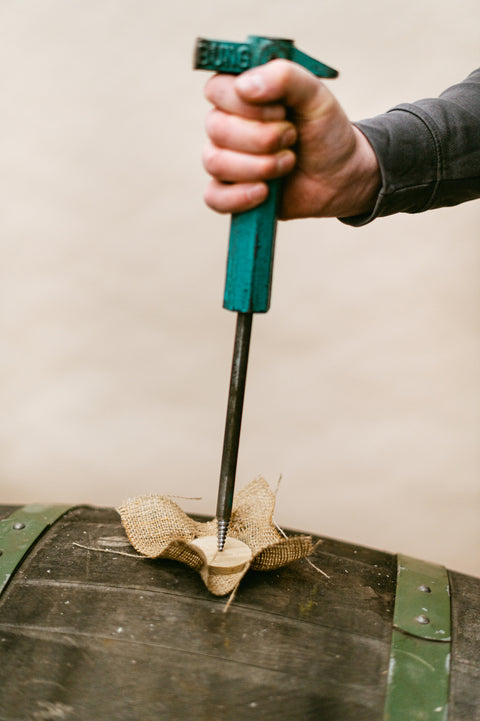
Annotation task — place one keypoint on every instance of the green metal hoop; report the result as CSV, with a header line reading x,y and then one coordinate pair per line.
x,y
419,671
20,531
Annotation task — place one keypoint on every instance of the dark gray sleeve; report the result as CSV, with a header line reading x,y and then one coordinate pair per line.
x,y
428,152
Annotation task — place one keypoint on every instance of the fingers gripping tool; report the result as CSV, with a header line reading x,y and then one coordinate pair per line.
x,y
251,249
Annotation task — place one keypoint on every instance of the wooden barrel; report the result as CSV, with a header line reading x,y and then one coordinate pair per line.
x,y
88,635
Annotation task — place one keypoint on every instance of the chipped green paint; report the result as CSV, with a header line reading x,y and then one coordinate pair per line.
x,y
419,671
18,533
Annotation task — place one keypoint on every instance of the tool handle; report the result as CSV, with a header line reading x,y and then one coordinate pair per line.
x,y
250,256
252,234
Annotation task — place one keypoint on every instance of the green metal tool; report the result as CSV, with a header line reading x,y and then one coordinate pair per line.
x,y
251,248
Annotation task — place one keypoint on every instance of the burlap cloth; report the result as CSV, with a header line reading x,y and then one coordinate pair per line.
x,y
158,528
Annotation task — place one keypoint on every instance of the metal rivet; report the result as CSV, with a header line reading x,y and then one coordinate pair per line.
x,y
18,526
425,589
422,619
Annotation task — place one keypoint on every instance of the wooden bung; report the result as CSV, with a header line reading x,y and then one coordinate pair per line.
x,y
232,559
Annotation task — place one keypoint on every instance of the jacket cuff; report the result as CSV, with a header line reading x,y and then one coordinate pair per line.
x,y
409,158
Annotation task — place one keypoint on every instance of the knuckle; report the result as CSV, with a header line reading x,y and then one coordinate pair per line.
x,y
218,127
219,91
211,159
212,197
209,89
284,68
272,138
212,122
284,73
269,166
208,197
213,88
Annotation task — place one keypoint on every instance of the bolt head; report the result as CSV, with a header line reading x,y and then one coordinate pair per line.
x,y
425,589
18,526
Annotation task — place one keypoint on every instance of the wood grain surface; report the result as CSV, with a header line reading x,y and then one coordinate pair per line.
x,y
89,633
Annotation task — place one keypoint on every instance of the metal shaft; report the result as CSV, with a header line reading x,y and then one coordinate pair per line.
x,y
233,424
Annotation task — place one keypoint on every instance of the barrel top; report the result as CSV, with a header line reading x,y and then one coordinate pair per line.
x,y
84,611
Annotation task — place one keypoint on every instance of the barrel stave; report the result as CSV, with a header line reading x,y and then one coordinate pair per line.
x,y
465,662
90,630
291,645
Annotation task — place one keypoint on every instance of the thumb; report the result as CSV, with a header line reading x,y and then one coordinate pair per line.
x,y
287,82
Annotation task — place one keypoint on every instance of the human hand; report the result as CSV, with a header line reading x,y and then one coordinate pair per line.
x,y
280,120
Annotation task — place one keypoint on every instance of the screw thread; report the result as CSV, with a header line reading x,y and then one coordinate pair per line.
x,y
222,528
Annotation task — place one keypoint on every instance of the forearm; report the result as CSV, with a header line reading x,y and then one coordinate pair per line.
x,y
428,152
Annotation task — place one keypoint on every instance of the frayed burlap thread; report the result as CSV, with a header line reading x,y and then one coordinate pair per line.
x,y
158,528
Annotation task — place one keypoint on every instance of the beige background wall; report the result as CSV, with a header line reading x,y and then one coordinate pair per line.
x,y
363,389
